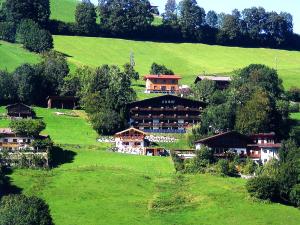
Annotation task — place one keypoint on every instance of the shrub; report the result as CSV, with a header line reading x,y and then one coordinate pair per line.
x,y
295,195
28,127
38,40
223,167
249,168
294,107
7,31
19,209
262,187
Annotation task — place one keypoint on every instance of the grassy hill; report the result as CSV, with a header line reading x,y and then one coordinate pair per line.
x,y
99,187
185,59
13,55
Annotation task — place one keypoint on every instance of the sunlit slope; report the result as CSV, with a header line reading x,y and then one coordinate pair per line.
x,y
186,59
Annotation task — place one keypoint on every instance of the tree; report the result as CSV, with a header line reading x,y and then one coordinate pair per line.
x,y
105,94
158,69
27,127
125,17
85,17
191,17
7,31
230,31
170,14
204,90
254,117
37,10
265,188
8,88
22,210
28,83
33,37
54,69
212,19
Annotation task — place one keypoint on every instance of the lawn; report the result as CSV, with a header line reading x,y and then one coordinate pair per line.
x,y
99,187
13,55
63,129
185,59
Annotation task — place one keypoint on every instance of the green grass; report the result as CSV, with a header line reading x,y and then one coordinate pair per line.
x,y
63,129
185,59
13,55
63,10
99,187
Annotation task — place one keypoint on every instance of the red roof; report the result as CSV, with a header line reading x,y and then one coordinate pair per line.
x,y
153,76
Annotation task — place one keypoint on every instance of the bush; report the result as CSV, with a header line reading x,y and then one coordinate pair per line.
x,y
249,167
294,107
7,31
223,167
19,209
38,41
295,195
263,187
28,127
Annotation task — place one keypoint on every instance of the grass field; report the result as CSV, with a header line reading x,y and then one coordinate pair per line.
x,y
99,187
13,55
185,59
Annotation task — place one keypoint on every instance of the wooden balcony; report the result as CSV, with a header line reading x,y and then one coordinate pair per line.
x,y
171,117
165,109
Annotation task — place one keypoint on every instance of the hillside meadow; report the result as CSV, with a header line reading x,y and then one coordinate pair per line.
x,y
185,59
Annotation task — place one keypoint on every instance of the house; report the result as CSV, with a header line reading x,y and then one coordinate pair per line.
x,y
226,142
264,147
259,147
222,82
133,141
165,114
62,102
162,83
12,142
20,110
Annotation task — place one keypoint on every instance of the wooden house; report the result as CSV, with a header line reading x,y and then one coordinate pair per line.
x,y
165,114
62,102
259,147
222,82
20,110
162,83
226,142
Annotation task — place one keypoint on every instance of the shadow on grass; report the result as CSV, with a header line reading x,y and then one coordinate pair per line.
x,y
59,156
8,188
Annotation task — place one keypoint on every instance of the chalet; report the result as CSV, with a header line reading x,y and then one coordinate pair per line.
x,y
62,102
162,83
222,143
10,141
264,147
222,82
20,110
259,147
165,114
133,141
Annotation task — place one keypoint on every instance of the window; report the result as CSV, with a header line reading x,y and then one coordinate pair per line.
x,y
14,140
125,143
24,140
5,140
137,143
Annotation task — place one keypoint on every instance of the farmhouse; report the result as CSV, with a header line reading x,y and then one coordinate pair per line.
x,y
10,141
162,83
165,114
259,147
62,102
264,147
20,110
222,82
133,141
224,142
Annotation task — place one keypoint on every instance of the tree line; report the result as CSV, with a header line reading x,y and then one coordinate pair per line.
x,y
27,22
185,21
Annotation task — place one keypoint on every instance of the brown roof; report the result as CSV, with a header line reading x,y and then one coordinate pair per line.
x,y
175,77
129,129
